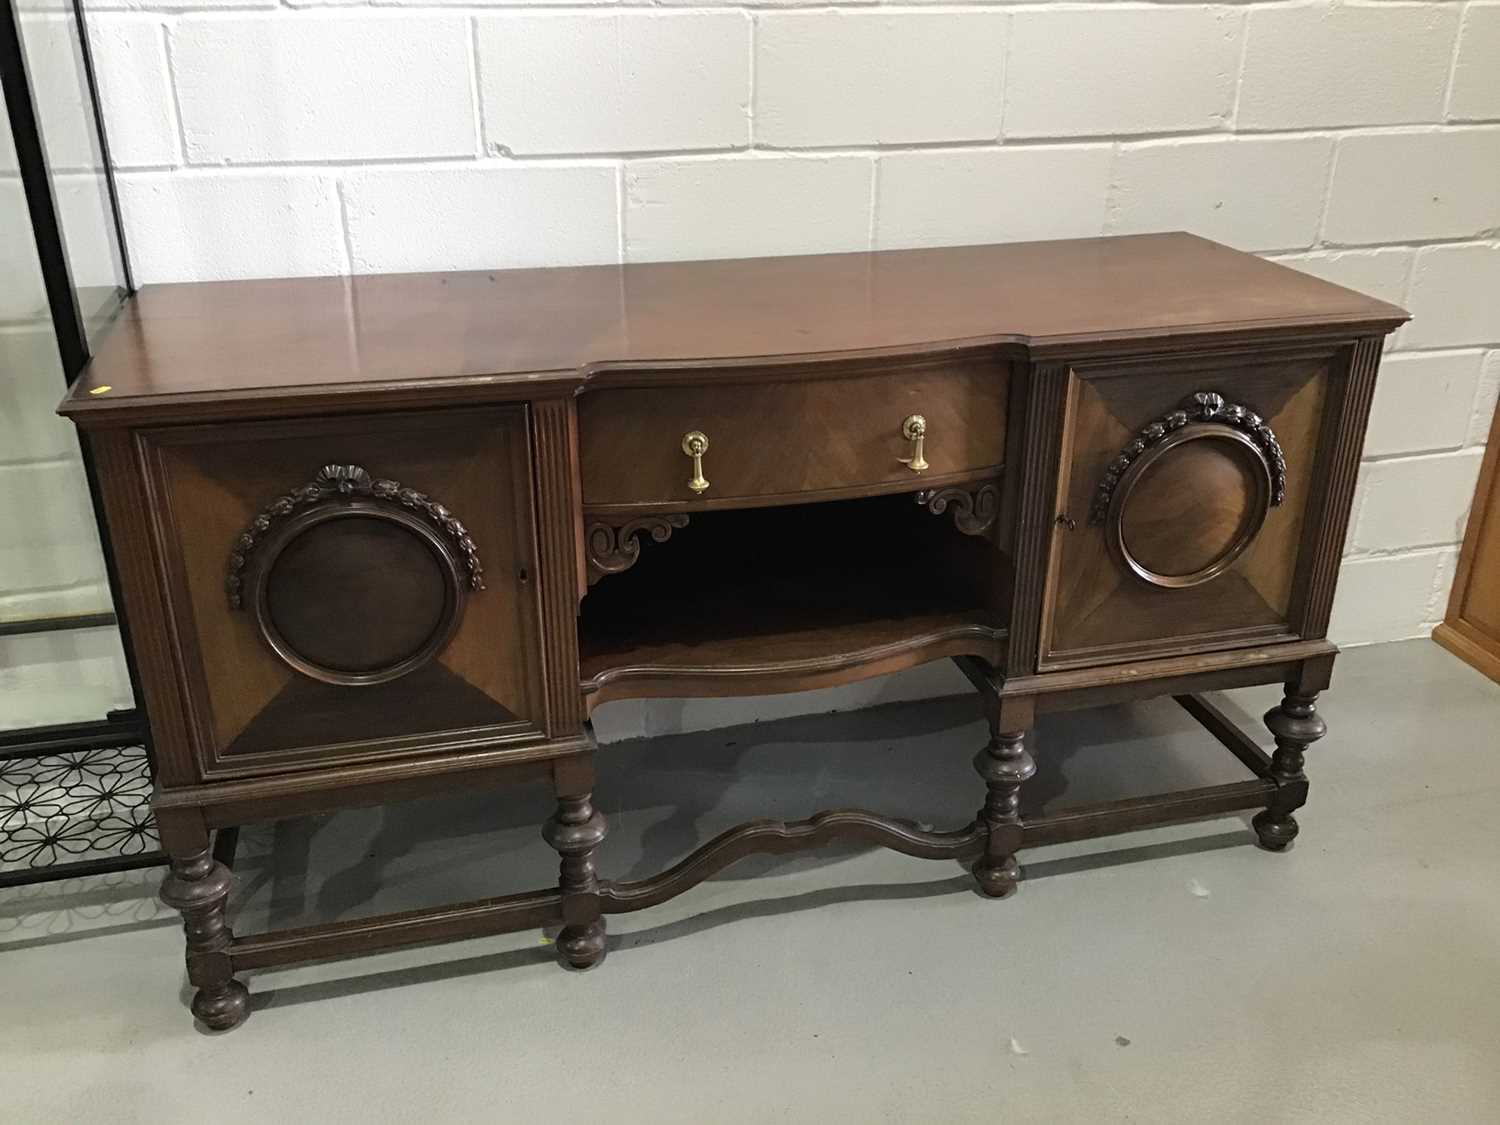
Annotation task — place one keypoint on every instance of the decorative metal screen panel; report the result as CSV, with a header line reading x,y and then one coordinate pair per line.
x,y
81,805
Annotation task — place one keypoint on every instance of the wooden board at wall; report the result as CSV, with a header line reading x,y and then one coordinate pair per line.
x,y
1471,629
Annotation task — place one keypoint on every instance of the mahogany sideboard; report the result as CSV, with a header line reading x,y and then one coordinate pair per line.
x,y
386,536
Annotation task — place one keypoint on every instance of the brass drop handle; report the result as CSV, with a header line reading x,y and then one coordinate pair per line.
x,y
914,430
695,445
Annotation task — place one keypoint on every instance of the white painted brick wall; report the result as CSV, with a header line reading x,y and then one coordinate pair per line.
x,y
17,257
52,65
940,197
1107,70
316,87
714,208
868,77
1475,95
475,215
1310,65
1353,140
563,82
1263,193
211,226
1390,596
83,205
61,677
48,547
1416,501
1424,401
7,148
1455,295
1415,186
140,115
1487,400
49,553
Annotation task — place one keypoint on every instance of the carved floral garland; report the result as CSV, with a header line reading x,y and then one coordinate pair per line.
x,y
348,482
1202,406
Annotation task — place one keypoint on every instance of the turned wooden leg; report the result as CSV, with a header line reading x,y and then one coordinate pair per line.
x,y
198,887
1004,764
574,831
1296,725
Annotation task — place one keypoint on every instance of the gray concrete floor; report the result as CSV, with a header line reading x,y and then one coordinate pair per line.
x,y
1170,975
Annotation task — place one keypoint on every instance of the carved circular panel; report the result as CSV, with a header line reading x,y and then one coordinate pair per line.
x,y
1190,505
356,593
353,579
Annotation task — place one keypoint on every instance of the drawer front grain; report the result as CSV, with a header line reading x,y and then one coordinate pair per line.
x,y
772,437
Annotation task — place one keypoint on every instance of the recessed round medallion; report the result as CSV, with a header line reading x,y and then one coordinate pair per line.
x,y
356,593
1190,505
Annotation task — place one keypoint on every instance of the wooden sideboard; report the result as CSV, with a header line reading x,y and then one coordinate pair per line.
x,y
386,536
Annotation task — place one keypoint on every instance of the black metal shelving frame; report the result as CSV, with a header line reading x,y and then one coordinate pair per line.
x,y
86,748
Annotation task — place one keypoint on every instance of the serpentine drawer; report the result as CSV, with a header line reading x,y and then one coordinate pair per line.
x,y
769,436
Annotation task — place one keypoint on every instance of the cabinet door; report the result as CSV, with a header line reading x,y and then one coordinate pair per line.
x,y
1182,502
348,589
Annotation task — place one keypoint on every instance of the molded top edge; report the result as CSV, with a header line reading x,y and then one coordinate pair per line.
x,y
249,340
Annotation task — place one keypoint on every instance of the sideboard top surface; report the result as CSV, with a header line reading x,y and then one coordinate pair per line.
x,y
237,340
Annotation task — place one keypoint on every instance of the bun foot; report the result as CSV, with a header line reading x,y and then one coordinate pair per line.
x,y
582,947
223,1007
1276,833
996,877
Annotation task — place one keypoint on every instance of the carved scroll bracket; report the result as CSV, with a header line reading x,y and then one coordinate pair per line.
x,y
1203,407
974,510
349,482
616,547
